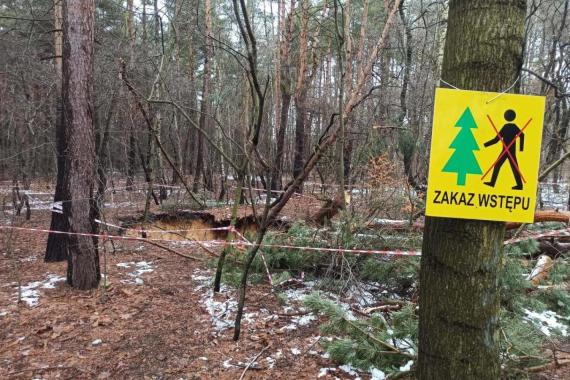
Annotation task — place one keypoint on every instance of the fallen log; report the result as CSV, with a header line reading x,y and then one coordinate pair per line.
x,y
545,216
552,248
539,216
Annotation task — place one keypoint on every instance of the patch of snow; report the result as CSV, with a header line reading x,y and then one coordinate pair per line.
x,y
220,311
227,363
249,317
52,280
377,374
295,351
97,342
270,362
547,322
406,367
30,292
349,369
405,345
203,278
302,320
3,313
139,268
203,358
324,371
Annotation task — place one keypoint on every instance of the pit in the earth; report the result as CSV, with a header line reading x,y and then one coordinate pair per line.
x,y
190,225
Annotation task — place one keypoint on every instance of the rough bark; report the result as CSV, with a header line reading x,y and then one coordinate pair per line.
x,y
461,259
301,94
56,248
83,260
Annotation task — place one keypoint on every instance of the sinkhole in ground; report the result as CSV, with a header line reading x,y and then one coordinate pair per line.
x,y
189,225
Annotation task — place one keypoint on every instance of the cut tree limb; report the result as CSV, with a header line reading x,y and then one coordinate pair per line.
x,y
545,216
539,216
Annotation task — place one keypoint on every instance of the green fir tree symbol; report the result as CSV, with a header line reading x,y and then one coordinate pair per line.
x,y
463,160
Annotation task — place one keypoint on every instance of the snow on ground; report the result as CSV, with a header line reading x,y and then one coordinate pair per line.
x,y
325,371
406,367
31,292
349,369
221,312
377,374
548,322
139,268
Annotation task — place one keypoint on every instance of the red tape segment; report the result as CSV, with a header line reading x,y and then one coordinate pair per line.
x,y
222,243
556,233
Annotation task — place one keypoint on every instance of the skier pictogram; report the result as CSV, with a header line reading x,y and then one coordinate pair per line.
x,y
508,136
463,160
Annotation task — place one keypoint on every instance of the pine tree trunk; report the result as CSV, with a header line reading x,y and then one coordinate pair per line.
x,y
205,105
131,149
459,294
280,143
301,93
83,261
56,249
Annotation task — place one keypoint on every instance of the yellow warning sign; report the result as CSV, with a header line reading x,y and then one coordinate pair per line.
x,y
485,152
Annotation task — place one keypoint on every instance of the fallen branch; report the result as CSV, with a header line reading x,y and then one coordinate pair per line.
x,y
545,216
381,308
173,251
539,216
252,362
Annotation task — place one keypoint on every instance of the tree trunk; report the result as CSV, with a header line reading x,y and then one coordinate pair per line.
x,y
299,152
205,105
83,260
131,149
280,143
301,94
56,249
283,90
461,259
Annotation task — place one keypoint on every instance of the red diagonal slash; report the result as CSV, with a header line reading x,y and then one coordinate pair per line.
x,y
506,149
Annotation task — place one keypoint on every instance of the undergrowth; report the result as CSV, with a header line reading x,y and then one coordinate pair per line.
x,y
388,340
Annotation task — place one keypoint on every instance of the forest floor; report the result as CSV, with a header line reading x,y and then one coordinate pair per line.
x,y
157,318
154,323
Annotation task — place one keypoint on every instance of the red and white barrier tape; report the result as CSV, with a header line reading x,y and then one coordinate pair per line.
x,y
104,236
245,242
221,243
556,233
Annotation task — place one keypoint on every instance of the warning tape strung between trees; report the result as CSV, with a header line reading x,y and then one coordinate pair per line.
x,y
555,233
244,242
220,243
